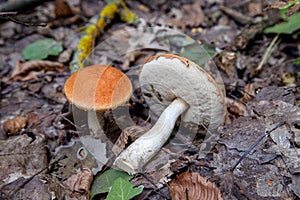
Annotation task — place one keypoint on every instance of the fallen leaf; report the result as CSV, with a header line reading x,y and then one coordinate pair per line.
x,y
80,183
23,188
236,107
14,125
269,185
289,155
228,62
23,70
193,15
192,186
21,156
122,189
291,25
197,53
103,183
62,9
255,8
249,92
41,49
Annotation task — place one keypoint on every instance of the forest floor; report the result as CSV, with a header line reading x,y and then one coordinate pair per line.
x,y
259,71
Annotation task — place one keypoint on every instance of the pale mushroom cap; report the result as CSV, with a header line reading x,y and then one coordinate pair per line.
x,y
98,88
166,76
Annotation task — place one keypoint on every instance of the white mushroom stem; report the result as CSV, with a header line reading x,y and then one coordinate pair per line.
x,y
134,157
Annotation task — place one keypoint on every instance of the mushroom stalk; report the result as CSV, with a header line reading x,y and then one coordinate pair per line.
x,y
134,157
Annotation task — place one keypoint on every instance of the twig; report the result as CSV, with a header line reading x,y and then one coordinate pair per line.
x,y
25,23
267,53
237,16
5,14
266,134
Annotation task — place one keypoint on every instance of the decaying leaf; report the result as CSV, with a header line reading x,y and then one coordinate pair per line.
x,y
192,186
62,9
236,107
228,62
132,133
13,126
22,188
21,156
24,70
289,155
249,92
193,15
80,183
269,185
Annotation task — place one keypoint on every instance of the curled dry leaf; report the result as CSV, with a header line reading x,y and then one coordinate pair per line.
x,y
80,183
249,92
13,126
23,70
192,186
228,63
130,133
236,107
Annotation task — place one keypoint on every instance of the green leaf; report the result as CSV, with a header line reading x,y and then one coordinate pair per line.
x,y
197,53
180,40
123,190
41,49
292,24
103,183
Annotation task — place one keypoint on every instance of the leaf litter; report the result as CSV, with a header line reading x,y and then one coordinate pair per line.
x,y
269,171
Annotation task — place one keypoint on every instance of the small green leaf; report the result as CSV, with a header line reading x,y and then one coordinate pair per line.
x,y
103,183
180,40
197,53
123,190
292,24
41,49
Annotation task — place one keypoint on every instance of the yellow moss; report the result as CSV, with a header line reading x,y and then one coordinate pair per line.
x,y
127,15
84,48
91,30
85,45
107,14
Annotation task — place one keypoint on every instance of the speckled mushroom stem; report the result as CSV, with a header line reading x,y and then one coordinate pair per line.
x,y
134,157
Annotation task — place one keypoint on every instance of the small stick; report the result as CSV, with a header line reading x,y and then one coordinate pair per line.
x,y
267,53
26,23
266,134
8,15
5,14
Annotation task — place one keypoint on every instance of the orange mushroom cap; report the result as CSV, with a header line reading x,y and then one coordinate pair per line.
x,y
98,87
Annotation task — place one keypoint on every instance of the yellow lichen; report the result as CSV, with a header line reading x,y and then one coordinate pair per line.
x,y
86,43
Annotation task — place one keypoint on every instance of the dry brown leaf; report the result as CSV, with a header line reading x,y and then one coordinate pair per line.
x,y
249,93
62,9
192,186
80,183
13,126
132,133
236,107
193,14
255,8
228,62
27,70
